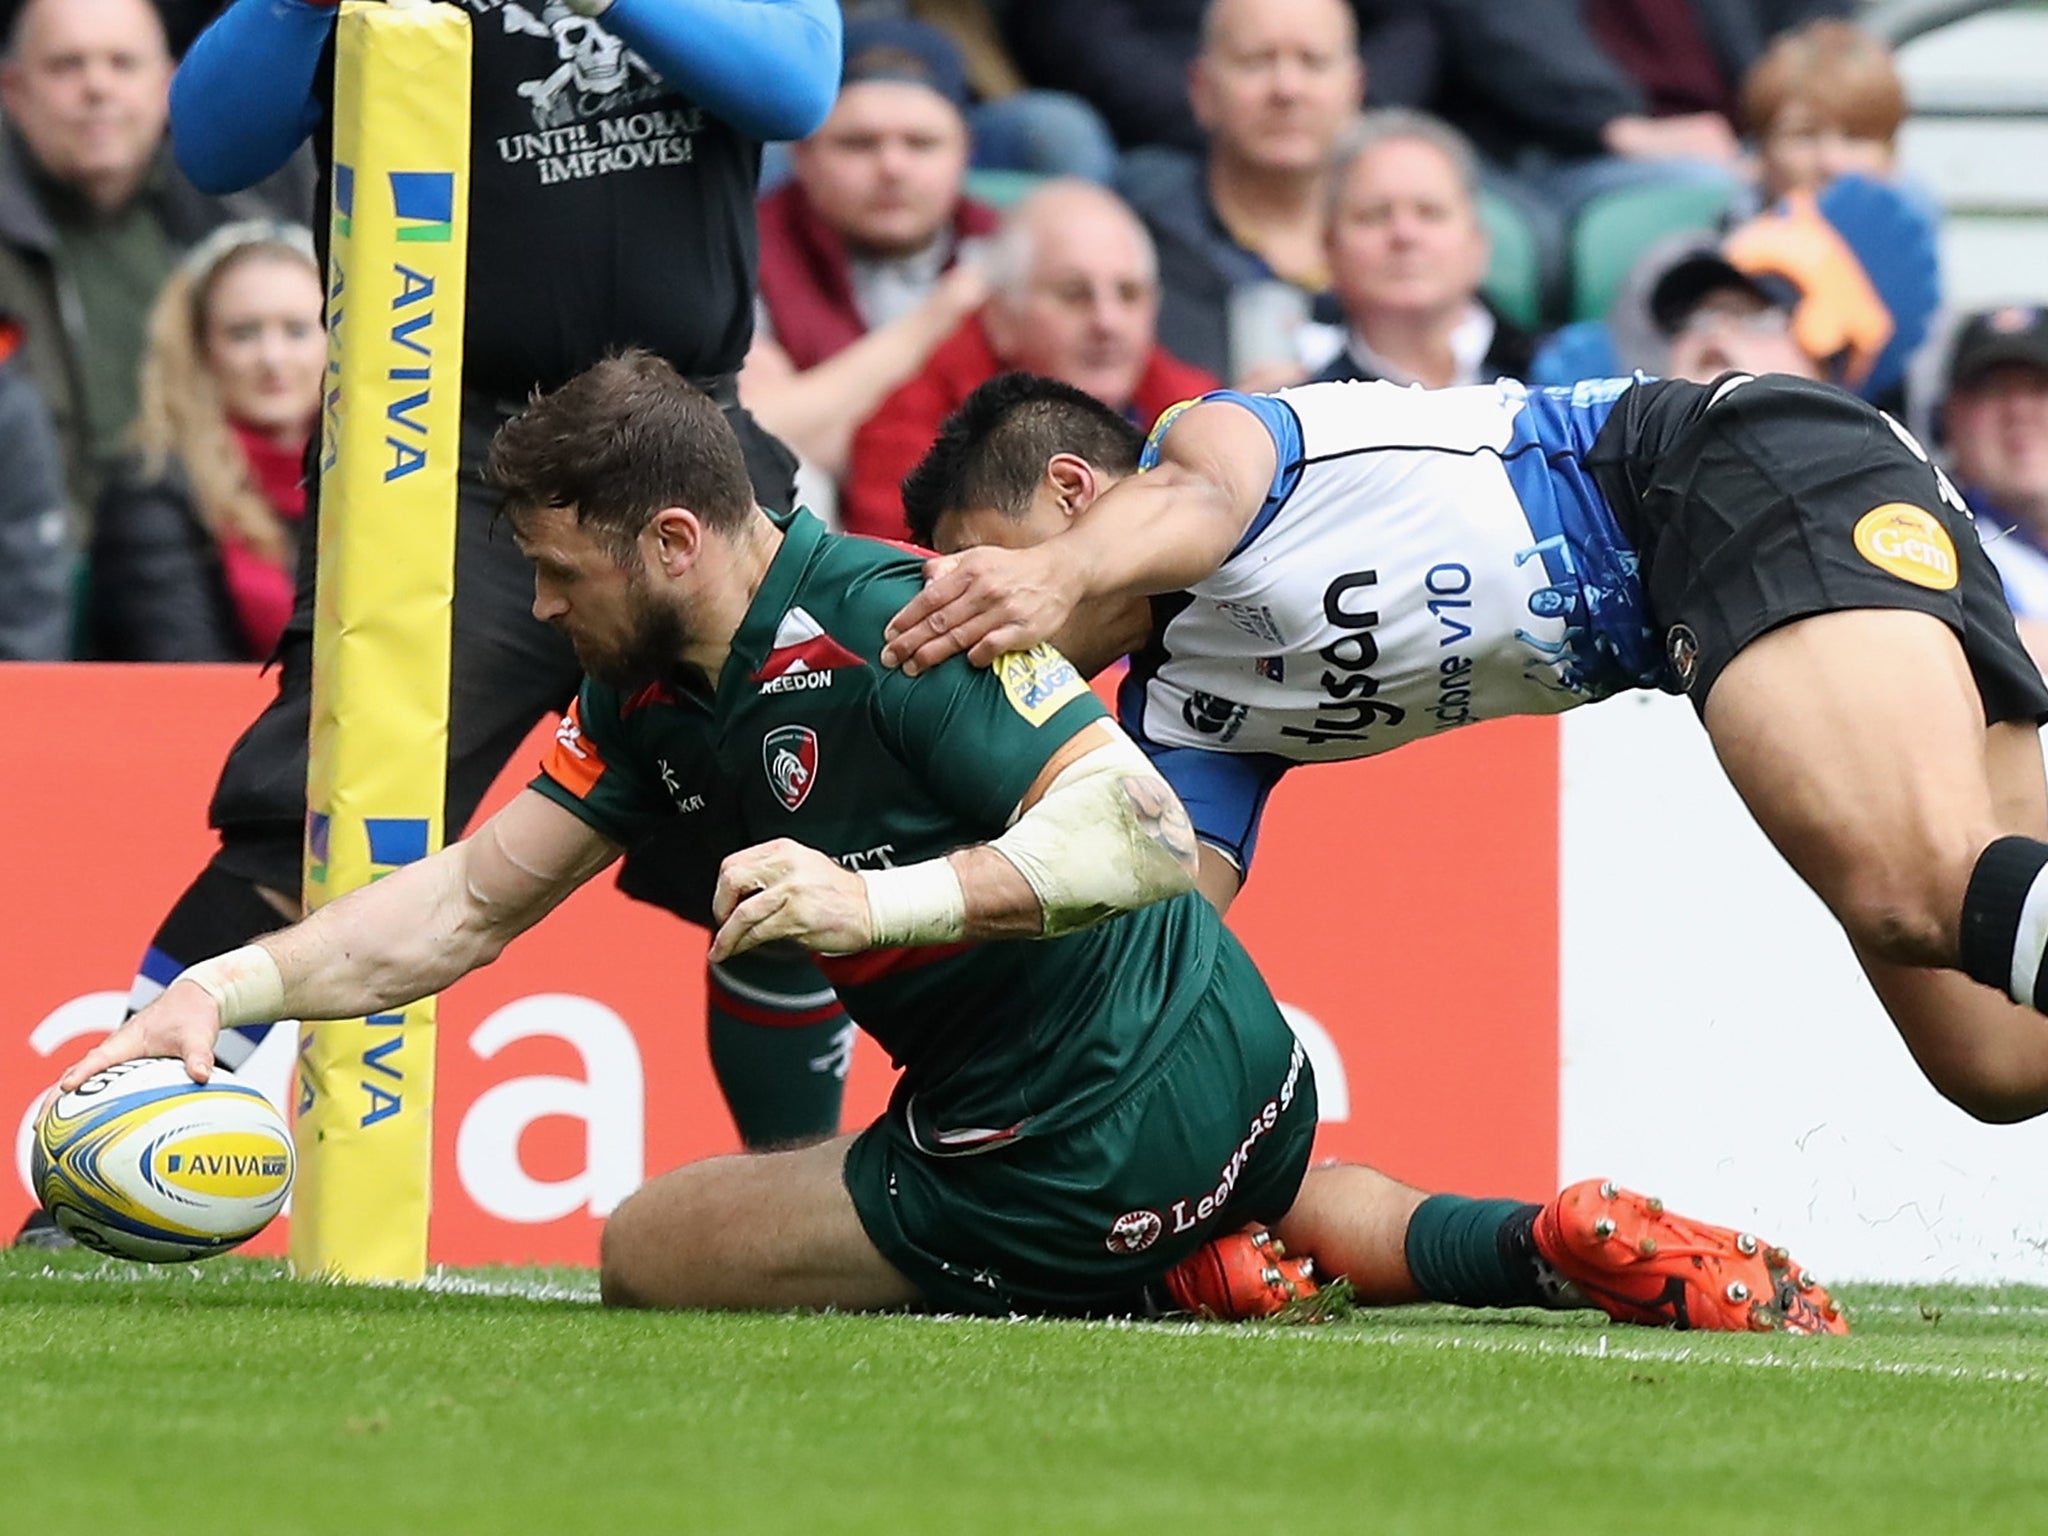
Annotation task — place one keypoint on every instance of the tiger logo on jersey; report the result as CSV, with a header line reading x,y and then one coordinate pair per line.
x,y
1908,542
789,754
1039,682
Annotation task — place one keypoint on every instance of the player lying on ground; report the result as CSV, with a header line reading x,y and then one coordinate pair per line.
x,y
1356,566
1081,1120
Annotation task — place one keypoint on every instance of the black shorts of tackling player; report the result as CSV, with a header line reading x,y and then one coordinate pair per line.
x,y
1755,503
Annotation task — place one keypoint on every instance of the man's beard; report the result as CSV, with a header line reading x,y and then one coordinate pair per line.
x,y
651,653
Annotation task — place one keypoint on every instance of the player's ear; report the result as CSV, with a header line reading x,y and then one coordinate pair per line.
x,y
1074,481
676,535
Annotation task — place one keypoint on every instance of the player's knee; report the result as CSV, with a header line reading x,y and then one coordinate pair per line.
x,y
640,1255
667,1245
621,1260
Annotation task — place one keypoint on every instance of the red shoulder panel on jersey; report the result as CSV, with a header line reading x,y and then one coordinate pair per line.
x,y
573,761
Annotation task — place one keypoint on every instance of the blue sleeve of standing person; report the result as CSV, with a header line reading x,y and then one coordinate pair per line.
x,y
770,68
246,95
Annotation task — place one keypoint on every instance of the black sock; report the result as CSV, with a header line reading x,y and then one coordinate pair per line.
x,y
217,913
2005,921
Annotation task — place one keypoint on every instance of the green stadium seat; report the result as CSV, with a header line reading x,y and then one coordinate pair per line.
x,y
999,189
1514,278
1615,228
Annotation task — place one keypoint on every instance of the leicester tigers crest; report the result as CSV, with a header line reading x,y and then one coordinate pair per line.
x,y
790,754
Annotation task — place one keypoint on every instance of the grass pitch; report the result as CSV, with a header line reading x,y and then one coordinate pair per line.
x,y
226,1398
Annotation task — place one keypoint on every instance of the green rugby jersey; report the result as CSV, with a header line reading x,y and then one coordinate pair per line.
x,y
809,737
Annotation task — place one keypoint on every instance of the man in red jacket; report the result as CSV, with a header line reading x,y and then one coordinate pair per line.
x,y
1075,296
864,251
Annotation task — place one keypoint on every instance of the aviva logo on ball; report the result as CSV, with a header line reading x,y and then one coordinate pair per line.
x,y
234,1163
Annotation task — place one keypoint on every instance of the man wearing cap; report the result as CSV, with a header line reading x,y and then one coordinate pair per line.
x,y
1783,294
861,270
1995,422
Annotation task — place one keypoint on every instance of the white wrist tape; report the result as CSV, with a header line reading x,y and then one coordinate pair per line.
x,y
245,983
1084,848
918,904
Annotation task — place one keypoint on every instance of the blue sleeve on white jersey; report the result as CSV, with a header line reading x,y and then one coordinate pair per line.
x,y
1281,424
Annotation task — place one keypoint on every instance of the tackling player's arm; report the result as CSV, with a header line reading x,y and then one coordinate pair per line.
x,y
1099,832
1159,531
411,933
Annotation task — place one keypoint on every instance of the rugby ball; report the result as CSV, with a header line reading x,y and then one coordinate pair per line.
x,y
141,1162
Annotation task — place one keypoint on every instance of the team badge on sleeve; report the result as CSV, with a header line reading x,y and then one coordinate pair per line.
x,y
789,753
573,760
1908,542
1039,682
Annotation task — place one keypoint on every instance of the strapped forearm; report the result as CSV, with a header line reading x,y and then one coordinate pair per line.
x,y
1107,836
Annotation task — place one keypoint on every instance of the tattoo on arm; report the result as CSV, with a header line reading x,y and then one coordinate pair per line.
x,y
1162,818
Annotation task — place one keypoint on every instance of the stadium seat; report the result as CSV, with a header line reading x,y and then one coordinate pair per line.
x,y
1615,228
1514,277
999,189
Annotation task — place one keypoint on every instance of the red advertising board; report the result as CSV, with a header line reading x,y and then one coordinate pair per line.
x,y
1404,909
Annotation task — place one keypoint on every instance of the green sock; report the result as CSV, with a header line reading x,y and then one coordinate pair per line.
x,y
1476,1253
780,1047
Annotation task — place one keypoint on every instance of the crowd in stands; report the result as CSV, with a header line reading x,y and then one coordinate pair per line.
x,y
1144,198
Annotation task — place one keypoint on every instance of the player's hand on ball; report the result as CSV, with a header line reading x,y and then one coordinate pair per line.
x,y
183,1022
783,890
983,601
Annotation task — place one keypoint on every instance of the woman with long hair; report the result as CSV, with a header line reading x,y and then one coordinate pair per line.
x,y
196,539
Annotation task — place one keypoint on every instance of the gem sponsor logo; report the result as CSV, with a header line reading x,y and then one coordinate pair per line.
x,y
1908,542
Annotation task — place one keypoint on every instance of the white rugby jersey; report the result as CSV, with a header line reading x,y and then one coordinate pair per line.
x,y
1425,559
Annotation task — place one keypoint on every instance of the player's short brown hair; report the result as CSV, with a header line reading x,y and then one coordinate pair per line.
x,y
992,451
619,442
1846,74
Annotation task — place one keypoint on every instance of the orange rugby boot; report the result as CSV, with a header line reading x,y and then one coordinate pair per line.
x,y
1240,1276
1639,1263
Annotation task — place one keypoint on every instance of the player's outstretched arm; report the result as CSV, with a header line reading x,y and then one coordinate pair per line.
x,y
1160,531
411,933
1098,833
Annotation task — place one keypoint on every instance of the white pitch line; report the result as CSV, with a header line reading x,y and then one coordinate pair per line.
x,y
530,1290
1815,1356
1820,1358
